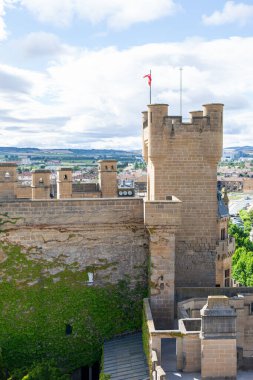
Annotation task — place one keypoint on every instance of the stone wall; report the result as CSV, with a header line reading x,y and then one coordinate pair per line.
x,y
24,192
162,219
106,237
248,185
95,194
88,190
183,294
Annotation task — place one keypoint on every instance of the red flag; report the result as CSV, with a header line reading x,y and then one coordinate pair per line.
x,y
149,78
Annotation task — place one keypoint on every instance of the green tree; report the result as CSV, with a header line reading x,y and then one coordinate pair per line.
x,y
45,371
242,261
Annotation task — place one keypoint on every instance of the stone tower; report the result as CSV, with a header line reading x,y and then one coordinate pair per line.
x,y
64,183
41,184
182,161
8,180
107,176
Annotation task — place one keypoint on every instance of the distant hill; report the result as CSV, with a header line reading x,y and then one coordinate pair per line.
x,y
86,152
240,148
12,149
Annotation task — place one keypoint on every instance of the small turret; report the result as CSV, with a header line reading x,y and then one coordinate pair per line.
x,y
41,184
64,183
8,180
107,174
156,115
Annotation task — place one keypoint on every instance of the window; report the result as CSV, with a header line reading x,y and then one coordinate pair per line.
x,y
223,234
41,180
65,176
227,278
251,308
68,329
7,175
227,273
90,278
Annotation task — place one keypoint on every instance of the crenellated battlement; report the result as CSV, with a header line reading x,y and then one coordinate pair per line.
x,y
205,127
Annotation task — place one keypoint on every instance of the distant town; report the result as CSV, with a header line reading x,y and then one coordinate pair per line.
x,y
235,170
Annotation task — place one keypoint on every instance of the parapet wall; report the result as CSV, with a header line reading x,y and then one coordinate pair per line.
x,y
105,236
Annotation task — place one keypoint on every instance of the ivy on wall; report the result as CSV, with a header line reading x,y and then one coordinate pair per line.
x,y
145,341
58,316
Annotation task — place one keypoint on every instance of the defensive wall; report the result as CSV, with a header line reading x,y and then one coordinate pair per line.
x,y
106,235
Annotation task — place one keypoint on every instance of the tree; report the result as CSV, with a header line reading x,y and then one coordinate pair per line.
x,y
242,261
45,371
243,266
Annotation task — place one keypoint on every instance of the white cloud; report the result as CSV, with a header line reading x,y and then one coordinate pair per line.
x,y
117,13
94,98
232,12
41,44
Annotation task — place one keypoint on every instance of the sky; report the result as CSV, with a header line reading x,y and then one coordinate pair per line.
x,y
71,71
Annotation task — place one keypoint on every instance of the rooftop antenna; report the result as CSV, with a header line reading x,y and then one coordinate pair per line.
x,y
181,91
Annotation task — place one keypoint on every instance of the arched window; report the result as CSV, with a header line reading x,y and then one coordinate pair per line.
x,y
65,176
7,175
41,181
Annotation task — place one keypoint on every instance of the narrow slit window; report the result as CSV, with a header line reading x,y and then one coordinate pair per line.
x,y
223,234
227,278
68,329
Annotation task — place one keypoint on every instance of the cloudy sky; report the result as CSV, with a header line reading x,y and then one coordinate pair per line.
x,y
71,71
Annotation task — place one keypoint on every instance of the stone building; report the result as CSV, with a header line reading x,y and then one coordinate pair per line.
x,y
177,236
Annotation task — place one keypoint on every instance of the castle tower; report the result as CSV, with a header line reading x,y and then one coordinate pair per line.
x,y
41,184
8,180
182,161
107,176
64,183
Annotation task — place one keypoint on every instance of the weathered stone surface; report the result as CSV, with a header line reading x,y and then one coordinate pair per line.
x,y
106,237
3,256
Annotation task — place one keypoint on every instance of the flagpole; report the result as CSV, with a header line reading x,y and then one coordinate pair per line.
x,y
150,89
181,90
